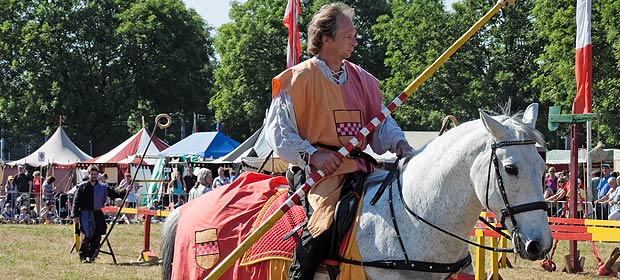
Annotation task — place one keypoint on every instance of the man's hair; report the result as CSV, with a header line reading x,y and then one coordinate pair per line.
x,y
324,23
50,179
93,168
202,174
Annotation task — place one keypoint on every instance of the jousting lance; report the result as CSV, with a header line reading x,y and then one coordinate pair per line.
x,y
226,263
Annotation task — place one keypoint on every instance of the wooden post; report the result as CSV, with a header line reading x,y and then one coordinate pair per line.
x,y
480,254
574,170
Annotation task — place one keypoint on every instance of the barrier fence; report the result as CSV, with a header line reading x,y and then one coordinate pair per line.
x,y
563,229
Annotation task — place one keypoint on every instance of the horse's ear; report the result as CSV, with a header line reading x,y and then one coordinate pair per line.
x,y
494,127
530,115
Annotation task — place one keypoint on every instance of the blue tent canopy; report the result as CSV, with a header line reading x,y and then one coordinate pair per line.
x,y
202,144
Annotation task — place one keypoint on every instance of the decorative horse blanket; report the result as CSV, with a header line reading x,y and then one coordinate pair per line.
x,y
213,225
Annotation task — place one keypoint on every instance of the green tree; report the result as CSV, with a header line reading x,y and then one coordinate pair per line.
x,y
252,49
415,35
555,79
100,65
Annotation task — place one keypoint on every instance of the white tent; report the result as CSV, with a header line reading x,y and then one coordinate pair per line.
x,y
58,149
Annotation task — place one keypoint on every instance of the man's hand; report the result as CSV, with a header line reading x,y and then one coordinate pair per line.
x,y
403,149
327,161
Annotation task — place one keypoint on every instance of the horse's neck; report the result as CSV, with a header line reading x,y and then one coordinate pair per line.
x,y
437,187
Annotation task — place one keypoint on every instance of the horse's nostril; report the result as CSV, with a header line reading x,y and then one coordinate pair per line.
x,y
533,248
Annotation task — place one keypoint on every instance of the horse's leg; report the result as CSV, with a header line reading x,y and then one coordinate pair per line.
x,y
169,232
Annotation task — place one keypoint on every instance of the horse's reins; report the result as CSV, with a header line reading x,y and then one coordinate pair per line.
x,y
509,211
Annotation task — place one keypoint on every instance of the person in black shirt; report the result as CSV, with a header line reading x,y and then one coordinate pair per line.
x,y
90,197
189,179
23,180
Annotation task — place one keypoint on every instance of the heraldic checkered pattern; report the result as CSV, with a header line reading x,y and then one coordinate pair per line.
x,y
348,128
207,248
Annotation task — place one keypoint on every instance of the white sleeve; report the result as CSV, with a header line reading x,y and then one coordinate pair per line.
x,y
386,136
281,131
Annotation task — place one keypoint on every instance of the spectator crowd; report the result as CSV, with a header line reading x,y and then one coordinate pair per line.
x,y
600,201
32,199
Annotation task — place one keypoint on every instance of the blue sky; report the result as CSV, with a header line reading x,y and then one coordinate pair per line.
x,y
215,12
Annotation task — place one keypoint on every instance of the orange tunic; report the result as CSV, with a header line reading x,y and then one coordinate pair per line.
x,y
330,114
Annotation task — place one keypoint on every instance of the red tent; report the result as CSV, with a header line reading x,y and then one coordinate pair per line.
x,y
129,153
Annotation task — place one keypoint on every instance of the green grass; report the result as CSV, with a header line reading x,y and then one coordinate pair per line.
x,y
35,252
42,252
524,269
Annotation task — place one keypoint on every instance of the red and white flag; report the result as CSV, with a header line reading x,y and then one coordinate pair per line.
x,y
291,19
583,59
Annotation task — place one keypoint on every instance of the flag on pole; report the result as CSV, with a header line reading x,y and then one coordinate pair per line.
x,y
583,59
291,19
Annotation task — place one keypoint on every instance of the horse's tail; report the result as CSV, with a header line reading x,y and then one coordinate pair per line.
x,y
169,232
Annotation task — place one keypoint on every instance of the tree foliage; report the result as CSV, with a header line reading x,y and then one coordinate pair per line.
x,y
103,64
99,65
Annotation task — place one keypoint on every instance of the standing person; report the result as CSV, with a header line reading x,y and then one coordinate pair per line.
x,y
49,188
551,180
176,187
602,189
10,188
23,180
233,175
221,178
36,187
190,179
317,107
204,184
90,197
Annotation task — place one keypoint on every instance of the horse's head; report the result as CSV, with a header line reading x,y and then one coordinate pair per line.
x,y
513,191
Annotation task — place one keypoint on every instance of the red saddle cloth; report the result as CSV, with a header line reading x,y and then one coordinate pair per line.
x,y
213,225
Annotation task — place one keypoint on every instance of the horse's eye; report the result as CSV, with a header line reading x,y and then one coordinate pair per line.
x,y
511,169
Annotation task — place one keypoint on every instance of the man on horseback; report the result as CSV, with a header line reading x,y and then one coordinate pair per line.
x,y
318,106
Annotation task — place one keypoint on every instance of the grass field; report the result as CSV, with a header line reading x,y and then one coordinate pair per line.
x,y
34,252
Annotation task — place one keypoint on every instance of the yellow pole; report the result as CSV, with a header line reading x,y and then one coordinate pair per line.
x,y
493,260
480,256
219,270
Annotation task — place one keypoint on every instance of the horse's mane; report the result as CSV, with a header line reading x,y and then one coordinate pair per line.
x,y
475,128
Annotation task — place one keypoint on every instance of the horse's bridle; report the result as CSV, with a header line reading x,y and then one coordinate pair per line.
x,y
509,211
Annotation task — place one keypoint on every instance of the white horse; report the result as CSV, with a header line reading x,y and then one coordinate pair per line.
x,y
448,183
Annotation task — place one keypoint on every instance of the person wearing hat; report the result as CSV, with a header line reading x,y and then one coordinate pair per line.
x,y
24,216
603,189
7,214
9,189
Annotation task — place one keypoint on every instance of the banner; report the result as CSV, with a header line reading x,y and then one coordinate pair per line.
x,y
291,20
583,59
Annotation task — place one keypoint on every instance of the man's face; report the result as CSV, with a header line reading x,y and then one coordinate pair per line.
x,y
21,169
343,43
220,172
605,171
93,176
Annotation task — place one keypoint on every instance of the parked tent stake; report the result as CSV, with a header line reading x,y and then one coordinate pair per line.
x,y
219,270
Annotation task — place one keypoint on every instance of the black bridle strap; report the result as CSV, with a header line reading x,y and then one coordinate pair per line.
x,y
402,199
509,211
494,228
414,265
